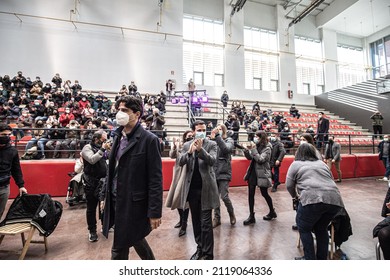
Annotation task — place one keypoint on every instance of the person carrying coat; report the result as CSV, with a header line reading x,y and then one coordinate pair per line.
x,y
259,174
200,189
176,188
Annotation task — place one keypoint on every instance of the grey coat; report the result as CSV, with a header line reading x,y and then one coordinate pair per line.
x,y
206,159
260,157
222,166
335,151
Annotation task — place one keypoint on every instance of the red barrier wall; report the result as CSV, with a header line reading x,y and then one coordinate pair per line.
x,y
51,176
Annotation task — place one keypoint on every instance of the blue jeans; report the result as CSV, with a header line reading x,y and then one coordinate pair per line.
x,y
275,175
40,143
315,218
386,163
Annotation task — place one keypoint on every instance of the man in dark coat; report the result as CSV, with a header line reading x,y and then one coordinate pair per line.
x,y
277,155
133,201
322,130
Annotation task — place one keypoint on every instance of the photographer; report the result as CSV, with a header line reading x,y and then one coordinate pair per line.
x,y
95,168
19,82
57,80
377,124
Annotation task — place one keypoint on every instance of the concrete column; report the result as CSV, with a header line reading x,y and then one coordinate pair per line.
x,y
287,65
234,52
329,52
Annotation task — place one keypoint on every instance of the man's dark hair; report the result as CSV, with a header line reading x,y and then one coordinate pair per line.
x,y
131,102
4,127
321,113
196,123
305,152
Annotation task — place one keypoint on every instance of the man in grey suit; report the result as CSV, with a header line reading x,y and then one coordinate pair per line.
x,y
333,156
200,188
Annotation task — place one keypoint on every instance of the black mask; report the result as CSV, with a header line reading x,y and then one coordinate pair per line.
x,y
330,141
4,140
189,139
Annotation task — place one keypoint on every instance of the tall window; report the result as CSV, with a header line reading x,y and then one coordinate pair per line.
x,y
261,59
309,64
380,57
203,55
350,65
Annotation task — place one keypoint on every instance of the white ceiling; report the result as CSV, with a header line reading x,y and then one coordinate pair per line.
x,y
361,19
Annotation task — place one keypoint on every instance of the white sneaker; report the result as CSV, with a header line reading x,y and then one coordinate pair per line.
x,y
385,179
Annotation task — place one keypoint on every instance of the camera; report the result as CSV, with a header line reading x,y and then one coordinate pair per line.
x,y
295,202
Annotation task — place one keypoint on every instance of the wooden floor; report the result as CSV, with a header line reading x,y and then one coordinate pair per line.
x,y
265,240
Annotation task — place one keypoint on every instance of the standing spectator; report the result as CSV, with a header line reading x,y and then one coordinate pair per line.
x,y
157,124
38,82
18,82
310,180
322,130
7,86
10,167
384,155
256,106
201,188
176,189
67,90
294,111
169,88
95,168
135,206
259,174
57,80
287,138
191,87
277,155
333,156
233,124
225,98
76,87
223,171
132,88
377,124
12,111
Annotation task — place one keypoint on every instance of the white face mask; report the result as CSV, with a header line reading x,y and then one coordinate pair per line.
x,y
122,118
302,142
256,140
386,139
273,139
200,135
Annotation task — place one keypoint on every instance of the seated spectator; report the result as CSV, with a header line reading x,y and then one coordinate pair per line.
x,y
35,91
39,138
287,139
56,136
84,102
311,131
66,117
264,115
87,113
87,133
38,111
46,88
283,122
72,138
59,97
294,111
277,118
25,121
233,124
12,112
106,104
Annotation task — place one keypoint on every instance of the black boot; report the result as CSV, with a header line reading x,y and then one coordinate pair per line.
x,y
251,219
271,215
178,225
183,229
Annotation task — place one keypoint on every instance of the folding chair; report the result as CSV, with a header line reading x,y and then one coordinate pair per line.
x,y
22,228
331,241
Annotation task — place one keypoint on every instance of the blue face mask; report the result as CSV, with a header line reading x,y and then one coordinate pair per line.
x,y
200,135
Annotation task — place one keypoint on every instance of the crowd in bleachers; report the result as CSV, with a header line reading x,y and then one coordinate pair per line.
x,y
60,116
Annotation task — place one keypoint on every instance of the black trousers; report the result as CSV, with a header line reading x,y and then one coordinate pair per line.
x,y
141,247
201,224
91,195
377,129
